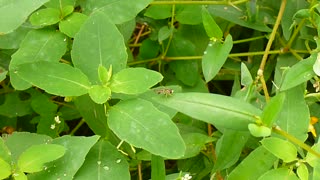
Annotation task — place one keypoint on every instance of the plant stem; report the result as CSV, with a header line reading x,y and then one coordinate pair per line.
x,y
265,55
77,127
295,141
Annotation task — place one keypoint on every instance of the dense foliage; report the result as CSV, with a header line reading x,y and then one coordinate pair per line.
x,y
121,89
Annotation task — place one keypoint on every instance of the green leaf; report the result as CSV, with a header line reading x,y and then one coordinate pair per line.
x,y
299,73
211,27
5,153
294,117
43,105
60,4
5,169
13,39
280,173
45,17
221,111
232,14
187,14
164,33
104,74
55,78
119,11
19,175
139,123
94,114
72,24
104,161
195,143
214,57
38,45
134,80
99,94
13,106
13,13
158,170
311,159
98,42
228,152
76,150
316,65
67,10
159,12
280,148
259,131
33,159
258,162
19,142
272,109
246,78
303,172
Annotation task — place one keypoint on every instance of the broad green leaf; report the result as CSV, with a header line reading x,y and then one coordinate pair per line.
x,y
187,14
258,162
43,105
215,56
280,173
159,12
232,14
13,106
19,175
48,126
303,172
272,109
45,17
149,49
38,45
67,10
259,131
55,78
98,42
313,160
299,73
246,78
5,153
294,117
316,172
99,94
76,150
94,114
185,71
228,152
158,170
316,65
14,12
221,111
33,159
72,24
5,169
211,27
18,142
104,161
281,148
13,39
164,33
60,4
119,11
195,143
3,74
134,80
139,123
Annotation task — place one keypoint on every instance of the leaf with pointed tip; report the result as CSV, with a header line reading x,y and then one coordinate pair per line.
x,y
55,78
98,42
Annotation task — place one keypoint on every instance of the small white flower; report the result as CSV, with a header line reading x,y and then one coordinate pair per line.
x,y
57,119
186,177
53,126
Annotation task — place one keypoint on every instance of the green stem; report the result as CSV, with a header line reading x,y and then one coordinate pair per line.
x,y
77,127
294,34
295,141
248,40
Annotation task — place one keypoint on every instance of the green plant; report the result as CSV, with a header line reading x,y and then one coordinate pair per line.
x,y
120,89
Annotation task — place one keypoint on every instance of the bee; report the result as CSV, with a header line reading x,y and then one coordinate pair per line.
x,y
164,91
